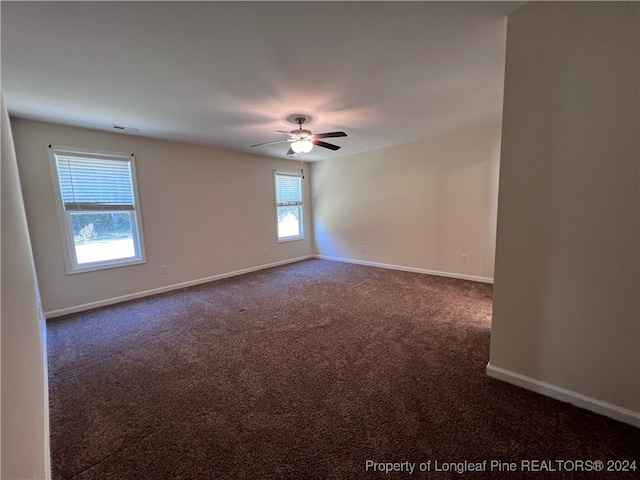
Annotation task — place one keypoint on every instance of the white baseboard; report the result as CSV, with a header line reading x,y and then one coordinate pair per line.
x,y
407,269
589,403
168,288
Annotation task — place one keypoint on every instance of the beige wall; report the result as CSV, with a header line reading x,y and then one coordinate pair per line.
x,y
420,205
25,405
205,212
566,305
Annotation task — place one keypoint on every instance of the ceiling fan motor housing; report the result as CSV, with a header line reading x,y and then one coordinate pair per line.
x,y
301,133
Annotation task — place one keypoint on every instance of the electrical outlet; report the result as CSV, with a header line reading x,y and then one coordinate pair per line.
x,y
362,248
464,258
264,251
163,269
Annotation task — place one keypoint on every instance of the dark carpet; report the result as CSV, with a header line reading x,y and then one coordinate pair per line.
x,y
305,371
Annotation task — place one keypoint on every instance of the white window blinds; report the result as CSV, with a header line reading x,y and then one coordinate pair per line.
x,y
94,183
288,189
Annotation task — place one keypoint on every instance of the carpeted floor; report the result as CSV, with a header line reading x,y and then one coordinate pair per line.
x,y
305,371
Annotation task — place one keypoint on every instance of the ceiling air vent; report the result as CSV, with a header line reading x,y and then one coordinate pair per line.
x,y
125,129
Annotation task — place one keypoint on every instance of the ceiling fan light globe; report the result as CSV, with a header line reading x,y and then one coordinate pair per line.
x,y
302,146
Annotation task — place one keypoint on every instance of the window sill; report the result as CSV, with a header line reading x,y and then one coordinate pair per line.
x,y
289,239
104,266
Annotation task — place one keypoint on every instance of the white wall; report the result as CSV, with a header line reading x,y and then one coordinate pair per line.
x,y
25,404
566,305
205,212
420,205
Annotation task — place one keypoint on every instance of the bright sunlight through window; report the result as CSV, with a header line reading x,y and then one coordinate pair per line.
x,y
289,206
97,208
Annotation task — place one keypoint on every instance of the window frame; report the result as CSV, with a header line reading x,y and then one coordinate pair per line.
x,y
278,205
64,217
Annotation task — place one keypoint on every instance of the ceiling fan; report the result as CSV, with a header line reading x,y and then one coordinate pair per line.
x,y
302,140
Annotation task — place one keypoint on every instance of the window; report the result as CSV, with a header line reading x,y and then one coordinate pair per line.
x,y
289,206
98,208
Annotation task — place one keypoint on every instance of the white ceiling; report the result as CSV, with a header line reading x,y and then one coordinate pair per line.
x,y
228,74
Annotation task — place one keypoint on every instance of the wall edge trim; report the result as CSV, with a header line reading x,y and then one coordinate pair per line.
x,y
168,288
425,271
610,410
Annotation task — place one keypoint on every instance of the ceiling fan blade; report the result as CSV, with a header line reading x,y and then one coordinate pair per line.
x,y
330,135
284,131
269,143
330,146
290,152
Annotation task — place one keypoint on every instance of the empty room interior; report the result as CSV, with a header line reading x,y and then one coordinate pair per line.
x,y
320,240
